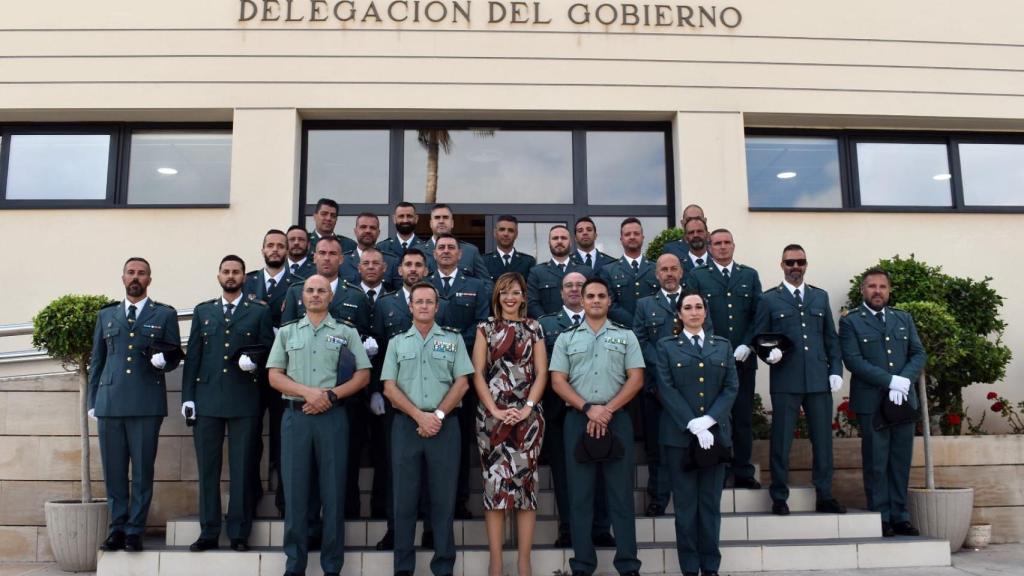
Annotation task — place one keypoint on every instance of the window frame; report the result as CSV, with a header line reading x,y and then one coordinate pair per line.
x,y
118,161
847,141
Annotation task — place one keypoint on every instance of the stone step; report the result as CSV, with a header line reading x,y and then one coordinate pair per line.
x,y
749,556
801,499
735,528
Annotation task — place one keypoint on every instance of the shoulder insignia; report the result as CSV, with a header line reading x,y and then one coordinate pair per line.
x,y
345,322
719,338
155,303
617,325
258,303
283,324
451,329
206,302
843,312
668,338
109,304
252,274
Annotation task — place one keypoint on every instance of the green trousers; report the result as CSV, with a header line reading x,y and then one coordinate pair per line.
x,y
785,412
886,456
697,495
208,437
128,442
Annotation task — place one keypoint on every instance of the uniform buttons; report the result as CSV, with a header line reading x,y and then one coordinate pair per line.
x,y
701,365
805,336
801,313
129,358
701,408
888,351
701,379
637,283
131,346
886,338
865,339
128,371
225,370
890,363
728,293
701,394
131,334
805,326
806,348
225,357
226,345
730,328
679,364
730,305
227,331
730,316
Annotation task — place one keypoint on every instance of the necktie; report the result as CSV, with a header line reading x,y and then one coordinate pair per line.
x,y
229,308
447,284
562,268
371,294
700,262
796,296
880,316
294,268
672,300
508,259
589,261
131,314
270,285
575,319
696,342
405,246
725,272
636,266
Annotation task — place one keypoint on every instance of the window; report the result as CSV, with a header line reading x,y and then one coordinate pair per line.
x,y
626,168
114,165
884,171
348,164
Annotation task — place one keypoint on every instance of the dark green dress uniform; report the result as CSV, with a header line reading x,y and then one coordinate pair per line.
x,y
599,261
304,270
226,398
349,270
316,442
471,263
596,365
696,382
544,287
347,244
129,397
682,251
732,302
801,379
349,304
393,246
628,285
874,350
424,370
517,262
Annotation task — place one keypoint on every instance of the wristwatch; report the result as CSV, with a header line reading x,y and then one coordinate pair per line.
x,y
531,403
440,414
586,407
332,396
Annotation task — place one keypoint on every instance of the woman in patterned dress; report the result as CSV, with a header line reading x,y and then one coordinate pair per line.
x,y
511,373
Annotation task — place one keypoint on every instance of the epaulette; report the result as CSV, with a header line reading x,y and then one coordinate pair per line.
x,y
392,293
109,304
210,301
344,321
451,329
252,274
155,303
719,338
255,302
290,322
617,325
553,315
813,286
667,338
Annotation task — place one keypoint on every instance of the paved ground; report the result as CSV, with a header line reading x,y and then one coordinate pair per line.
x,y
997,560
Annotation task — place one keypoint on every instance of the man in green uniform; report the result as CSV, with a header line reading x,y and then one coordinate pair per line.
x,y
349,304
128,397
732,292
597,368
424,376
220,388
303,365
442,221
325,218
300,261
694,252
506,258
631,277
367,230
405,219
805,376
586,253
544,283
884,354
680,247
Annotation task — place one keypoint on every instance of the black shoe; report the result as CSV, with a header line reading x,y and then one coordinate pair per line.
x,y
653,510
690,574
711,573
332,573
314,543
239,545
887,531
203,544
605,540
387,542
113,542
293,574
378,515
563,541
133,543
905,529
631,573
830,506
427,540
780,508
579,573
748,483
462,512
404,573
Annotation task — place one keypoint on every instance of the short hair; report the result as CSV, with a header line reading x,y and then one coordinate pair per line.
x,y
719,231
503,282
793,247
876,271
701,217
404,204
297,227
596,280
368,215
273,231
630,220
331,238
231,258
585,219
508,218
701,220
414,252
136,259
422,284
446,235
556,227
327,202
441,206
370,250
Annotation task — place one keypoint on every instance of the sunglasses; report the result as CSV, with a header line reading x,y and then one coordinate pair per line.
x,y
795,262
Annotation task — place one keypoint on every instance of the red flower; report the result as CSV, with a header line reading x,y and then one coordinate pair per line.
x,y
953,419
851,416
992,396
997,407
844,406
835,425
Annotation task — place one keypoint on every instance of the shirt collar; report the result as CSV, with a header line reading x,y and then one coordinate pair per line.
x,y
570,313
509,253
601,330
409,240
277,278
583,255
557,263
334,286
138,305
405,291
639,260
791,288
327,321
729,267
299,263
693,257
690,335
365,287
224,302
872,311
668,294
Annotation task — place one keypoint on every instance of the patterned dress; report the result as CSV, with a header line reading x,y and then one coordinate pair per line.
x,y
508,454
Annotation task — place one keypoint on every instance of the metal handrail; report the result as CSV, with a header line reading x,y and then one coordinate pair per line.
x,y
25,329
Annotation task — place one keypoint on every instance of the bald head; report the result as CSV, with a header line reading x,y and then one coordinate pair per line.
x,y
317,294
572,290
669,272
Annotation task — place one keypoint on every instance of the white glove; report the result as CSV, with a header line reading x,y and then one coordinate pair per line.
x,y
835,382
191,405
377,404
700,424
246,363
705,439
741,353
158,361
774,355
896,397
901,384
92,413
370,345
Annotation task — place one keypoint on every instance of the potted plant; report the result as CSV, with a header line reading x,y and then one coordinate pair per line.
x,y
656,246
76,528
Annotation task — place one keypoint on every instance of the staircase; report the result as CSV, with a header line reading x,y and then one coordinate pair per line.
x,y
753,540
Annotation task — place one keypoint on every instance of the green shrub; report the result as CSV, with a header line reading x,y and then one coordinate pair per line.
x,y
657,246
64,328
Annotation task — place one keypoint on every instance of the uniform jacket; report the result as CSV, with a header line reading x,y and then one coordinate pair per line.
x,y
682,251
393,246
468,304
255,288
471,263
211,377
628,287
122,382
349,304
602,260
815,354
653,320
305,271
349,270
733,304
520,263
544,287
695,383
873,352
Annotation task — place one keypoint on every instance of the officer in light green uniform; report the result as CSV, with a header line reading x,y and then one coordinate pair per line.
x,y
303,365
424,376
223,390
597,368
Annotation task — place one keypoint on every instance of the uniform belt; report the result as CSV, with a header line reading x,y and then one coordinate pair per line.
x,y
298,404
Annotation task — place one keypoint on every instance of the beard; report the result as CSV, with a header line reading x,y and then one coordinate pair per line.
x,y
405,228
231,286
697,244
134,289
273,263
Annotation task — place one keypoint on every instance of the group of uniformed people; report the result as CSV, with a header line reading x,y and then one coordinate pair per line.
x,y
355,345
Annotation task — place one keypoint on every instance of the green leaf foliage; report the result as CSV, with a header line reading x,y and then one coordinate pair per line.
x,y
65,327
657,246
